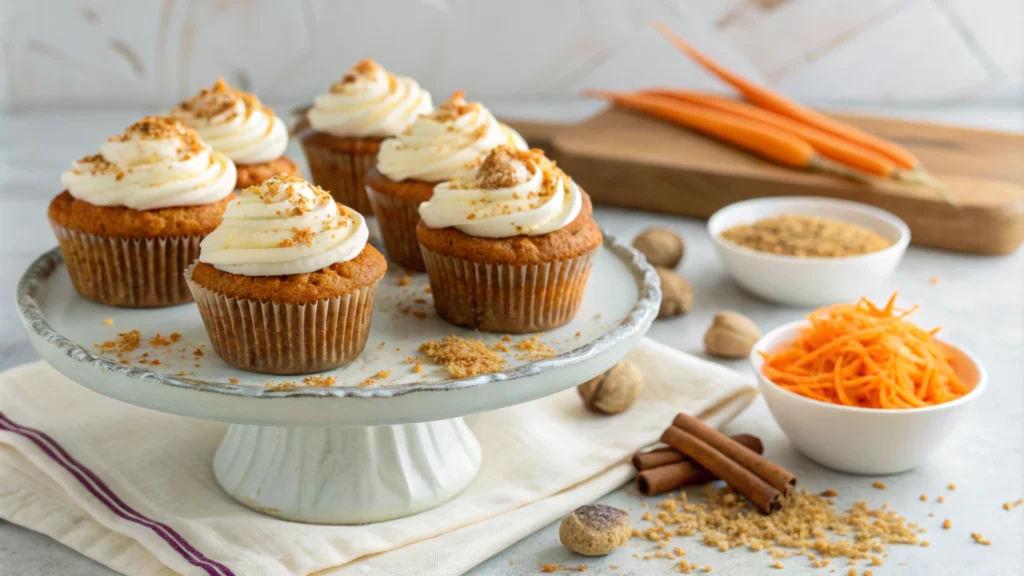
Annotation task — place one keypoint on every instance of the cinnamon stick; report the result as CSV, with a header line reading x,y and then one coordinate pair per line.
x,y
777,476
661,479
760,493
656,458
668,455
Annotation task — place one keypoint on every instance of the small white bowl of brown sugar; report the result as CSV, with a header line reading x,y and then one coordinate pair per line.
x,y
807,251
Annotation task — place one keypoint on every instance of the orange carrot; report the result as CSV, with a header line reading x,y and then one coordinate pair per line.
x,y
861,355
913,171
771,100
755,137
830,146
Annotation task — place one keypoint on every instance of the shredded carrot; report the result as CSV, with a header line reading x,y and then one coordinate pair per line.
x,y
866,356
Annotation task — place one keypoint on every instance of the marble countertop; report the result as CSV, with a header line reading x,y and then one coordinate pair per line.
x,y
979,301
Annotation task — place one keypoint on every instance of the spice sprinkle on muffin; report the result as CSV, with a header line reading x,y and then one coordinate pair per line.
x,y
348,123
293,267
132,216
448,143
509,247
238,125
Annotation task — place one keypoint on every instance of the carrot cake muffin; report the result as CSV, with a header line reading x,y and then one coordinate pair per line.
x,y
447,143
348,123
131,217
509,247
286,283
239,126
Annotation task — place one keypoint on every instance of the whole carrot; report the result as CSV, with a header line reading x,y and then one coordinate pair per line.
x,y
767,98
828,145
913,171
753,136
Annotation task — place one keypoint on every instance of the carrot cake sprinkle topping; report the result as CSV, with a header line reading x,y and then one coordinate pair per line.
x,y
463,357
221,99
364,70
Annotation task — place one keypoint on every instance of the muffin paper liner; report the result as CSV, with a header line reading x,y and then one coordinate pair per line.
x,y
505,297
286,338
341,174
129,272
397,219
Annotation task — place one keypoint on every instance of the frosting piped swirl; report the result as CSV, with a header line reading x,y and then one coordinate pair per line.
x,y
369,102
513,193
284,226
447,143
156,163
234,123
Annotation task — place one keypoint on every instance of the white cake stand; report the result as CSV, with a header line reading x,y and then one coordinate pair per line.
x,y
384,441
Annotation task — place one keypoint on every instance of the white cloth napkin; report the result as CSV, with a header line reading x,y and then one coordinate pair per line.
x,y
134,489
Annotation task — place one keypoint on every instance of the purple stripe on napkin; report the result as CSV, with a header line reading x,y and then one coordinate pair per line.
x,y
104,494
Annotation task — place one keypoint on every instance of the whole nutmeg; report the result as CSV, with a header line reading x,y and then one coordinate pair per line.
x,y
676,294
613,391
661,246
595,529
731,335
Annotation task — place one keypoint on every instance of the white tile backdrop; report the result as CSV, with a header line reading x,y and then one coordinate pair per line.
x,y
92,52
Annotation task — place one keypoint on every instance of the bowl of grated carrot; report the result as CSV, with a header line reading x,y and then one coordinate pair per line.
x,y
861,389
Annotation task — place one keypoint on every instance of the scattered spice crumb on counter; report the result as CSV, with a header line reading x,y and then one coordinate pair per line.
x,y
463,357
940,499
1011,505
830,493
934,280
806,237
952,486
946,524
234,380
923,498
108,321
980,539
725,521
878,485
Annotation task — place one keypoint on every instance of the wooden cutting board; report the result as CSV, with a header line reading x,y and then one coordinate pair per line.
x,y
625,159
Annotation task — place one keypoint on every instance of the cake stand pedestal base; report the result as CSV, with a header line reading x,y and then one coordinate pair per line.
x,y
346,475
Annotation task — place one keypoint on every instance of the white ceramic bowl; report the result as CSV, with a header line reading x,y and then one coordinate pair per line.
x,y
863,440
808,281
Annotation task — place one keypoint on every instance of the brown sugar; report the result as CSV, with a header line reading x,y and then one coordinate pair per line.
x,y
463,357
806,236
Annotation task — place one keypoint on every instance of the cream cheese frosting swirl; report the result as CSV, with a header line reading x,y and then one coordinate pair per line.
x,y
446,143
234,123
369,102
283,226
157,162
514,193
